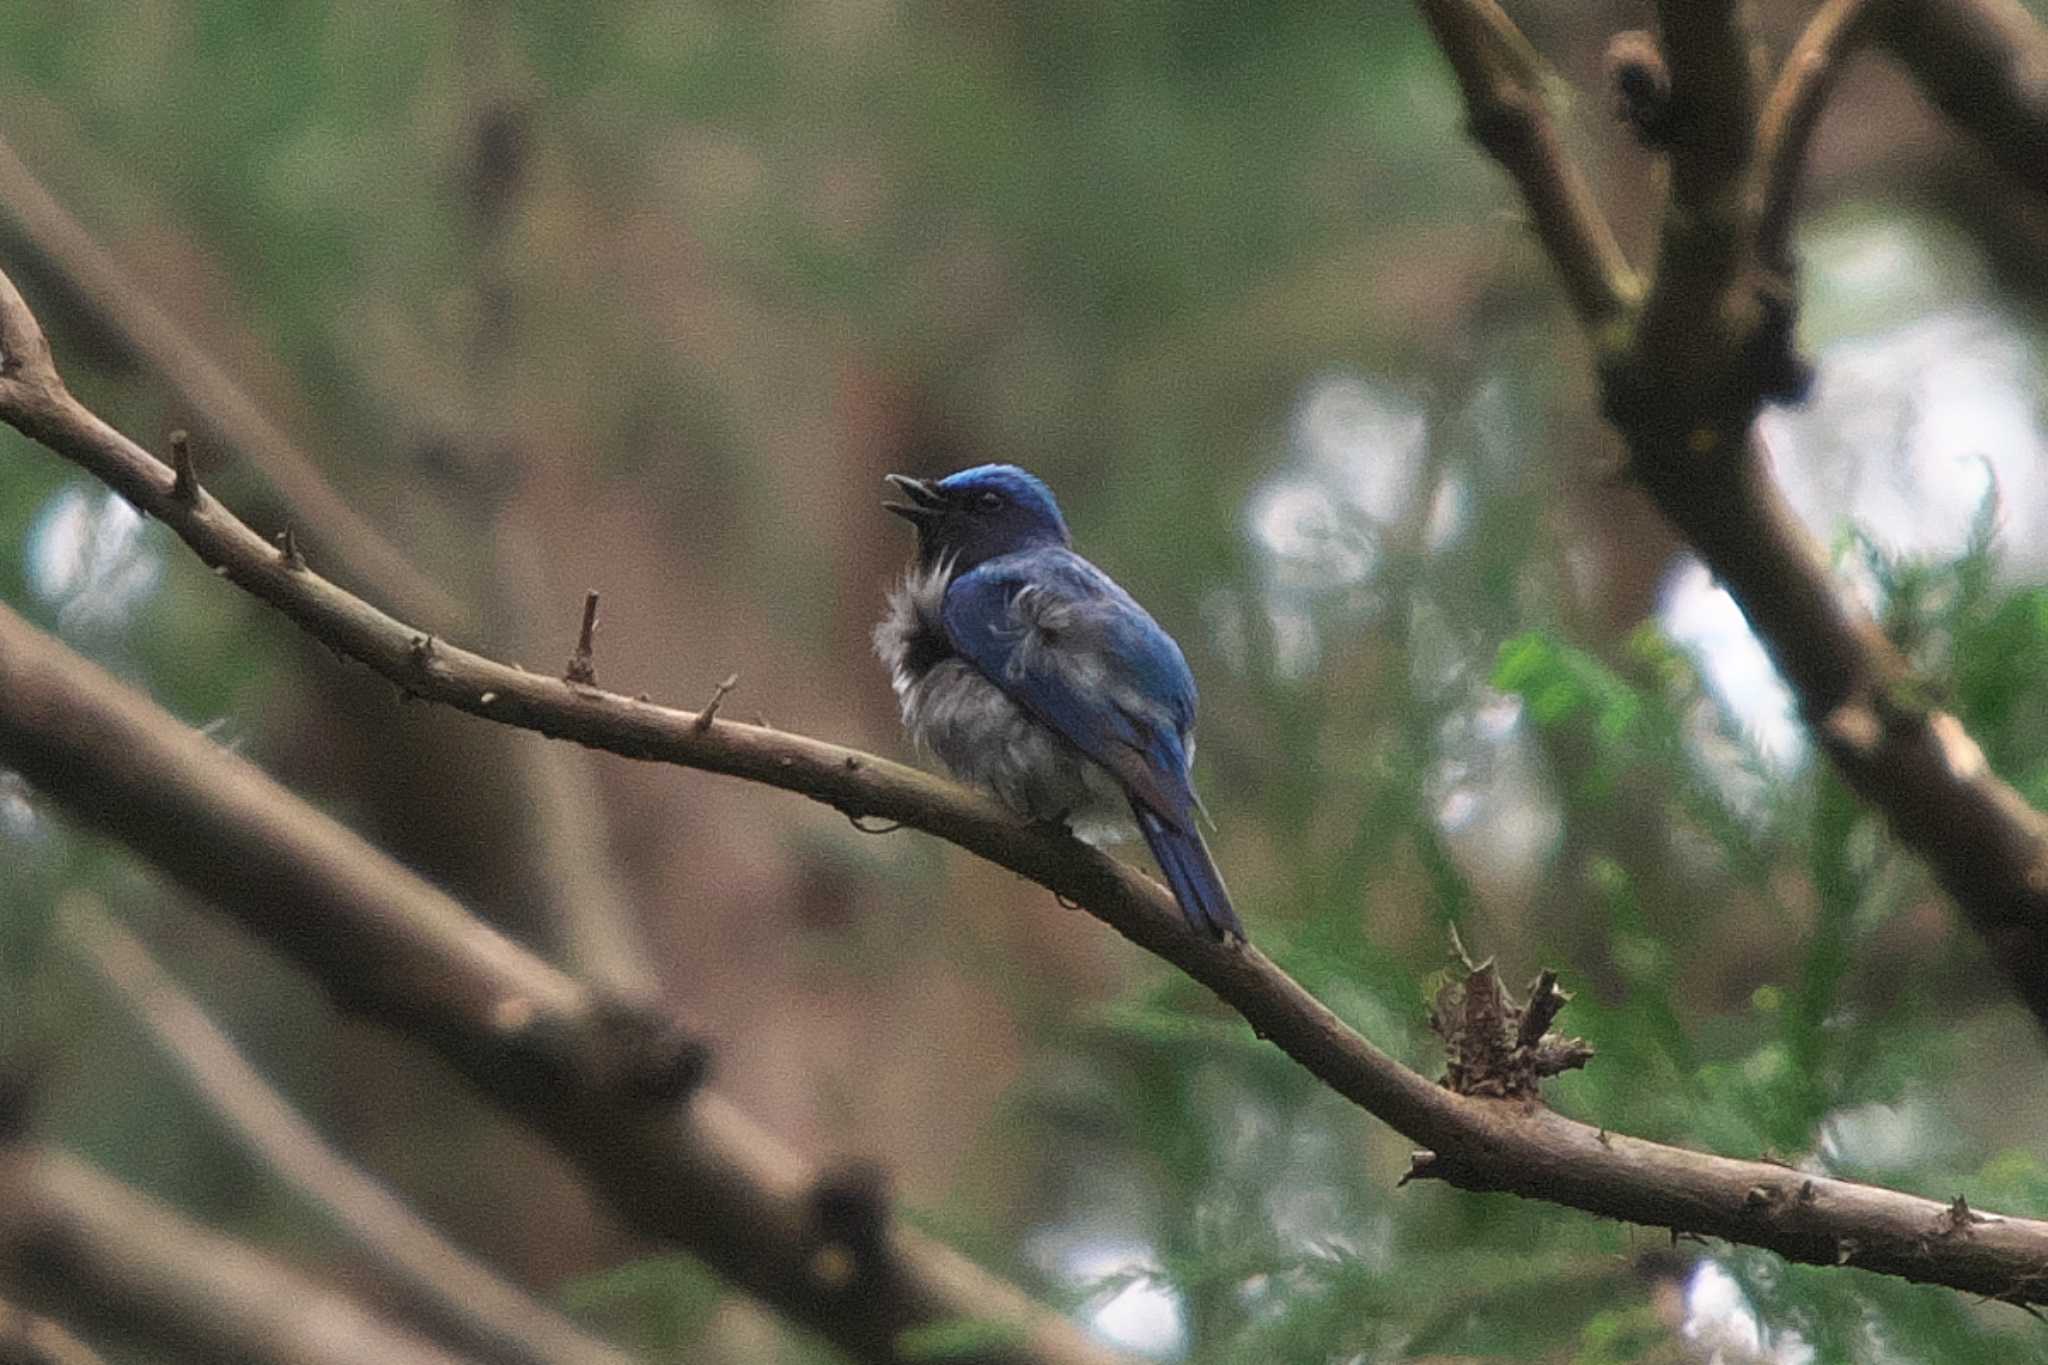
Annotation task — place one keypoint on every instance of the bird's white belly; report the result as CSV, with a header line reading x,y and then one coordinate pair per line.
x,y
983,737
986,739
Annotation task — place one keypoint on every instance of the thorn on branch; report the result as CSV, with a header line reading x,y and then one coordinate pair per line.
x,y
1546,998
1458,951
1641,86
1421,1166
1957,1219
185,480
288,547
420,653
582,668
710,711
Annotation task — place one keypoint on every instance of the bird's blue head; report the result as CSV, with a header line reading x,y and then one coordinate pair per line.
x,y
980,513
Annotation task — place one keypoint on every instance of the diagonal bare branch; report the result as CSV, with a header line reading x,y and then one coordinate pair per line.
x,y
78,1244
1984,63
1501,78
608,1085
219,826
127,310
468,1301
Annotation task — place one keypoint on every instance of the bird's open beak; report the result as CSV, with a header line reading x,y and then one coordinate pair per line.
x,y
926,501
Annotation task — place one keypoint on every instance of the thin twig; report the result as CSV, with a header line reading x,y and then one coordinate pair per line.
x,y
718,695
1791,114
582,668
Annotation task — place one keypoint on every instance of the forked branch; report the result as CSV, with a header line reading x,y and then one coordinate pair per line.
x,y
1714,343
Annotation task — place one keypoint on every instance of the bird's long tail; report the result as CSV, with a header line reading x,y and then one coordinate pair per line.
x,y
1192,874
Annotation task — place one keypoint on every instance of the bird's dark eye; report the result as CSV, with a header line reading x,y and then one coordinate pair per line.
x,y
989,502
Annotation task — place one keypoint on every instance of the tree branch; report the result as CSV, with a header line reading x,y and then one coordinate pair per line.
x,y
565,856
1711,57
1501,78
218,825
78,1244
124,307
605,1083
1715,343
1792,113
1704,305
32,1339
1984,63
467,1301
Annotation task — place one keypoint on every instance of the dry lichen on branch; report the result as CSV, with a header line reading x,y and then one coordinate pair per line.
x,y
1494,1046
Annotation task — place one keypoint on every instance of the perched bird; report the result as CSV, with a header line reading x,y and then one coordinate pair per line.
x,y
1031,674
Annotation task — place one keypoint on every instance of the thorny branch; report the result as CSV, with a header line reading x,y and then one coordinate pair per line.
x,y
614,1089
80,739
127,311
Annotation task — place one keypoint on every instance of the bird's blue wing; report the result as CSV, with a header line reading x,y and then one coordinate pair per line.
x,y
1059,637
1073,649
